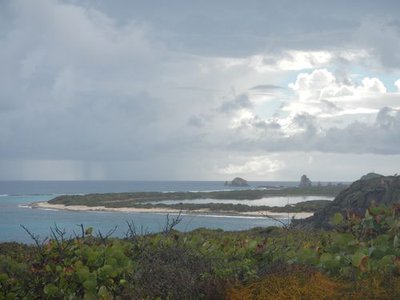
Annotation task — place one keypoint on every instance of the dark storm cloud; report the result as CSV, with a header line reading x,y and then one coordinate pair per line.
x,y
237,28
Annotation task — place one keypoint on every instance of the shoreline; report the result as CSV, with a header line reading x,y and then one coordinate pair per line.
x,y
46,205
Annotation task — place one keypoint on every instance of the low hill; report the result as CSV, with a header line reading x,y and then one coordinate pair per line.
x,y
357,198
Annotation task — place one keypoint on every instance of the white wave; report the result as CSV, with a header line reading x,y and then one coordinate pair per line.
x,y
24,206
210,191
52,209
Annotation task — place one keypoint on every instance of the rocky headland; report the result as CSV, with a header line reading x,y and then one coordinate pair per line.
x,y
370,190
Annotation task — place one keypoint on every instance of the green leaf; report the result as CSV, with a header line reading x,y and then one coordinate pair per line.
x,y
3,277
104,294
83,274
325,257
123,282
106,272
382,240
337,219
308,256
89,296
252,244
343,239
386,262
50,290
378,252
328,261
90,284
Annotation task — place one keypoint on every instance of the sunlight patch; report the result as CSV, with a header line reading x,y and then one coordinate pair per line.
x,y
259,165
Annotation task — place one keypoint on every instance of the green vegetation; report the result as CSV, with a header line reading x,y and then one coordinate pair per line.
x,y
305,206
132,199
360,259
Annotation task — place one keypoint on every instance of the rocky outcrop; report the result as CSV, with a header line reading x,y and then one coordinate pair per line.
x,y
305,182
356,198
240,182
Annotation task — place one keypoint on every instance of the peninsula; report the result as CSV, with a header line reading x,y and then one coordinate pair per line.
x,y
154,201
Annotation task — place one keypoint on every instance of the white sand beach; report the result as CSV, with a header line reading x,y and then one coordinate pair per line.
x,y
46,205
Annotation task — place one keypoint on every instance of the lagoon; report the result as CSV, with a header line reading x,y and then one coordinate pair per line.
x,y
268,201
15,212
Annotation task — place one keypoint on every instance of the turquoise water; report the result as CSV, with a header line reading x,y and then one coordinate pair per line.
x,y
14,198
13,214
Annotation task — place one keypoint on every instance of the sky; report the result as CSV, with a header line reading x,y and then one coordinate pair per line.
x,y
199,90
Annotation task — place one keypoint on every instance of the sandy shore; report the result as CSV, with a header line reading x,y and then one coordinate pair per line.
x,y
46,205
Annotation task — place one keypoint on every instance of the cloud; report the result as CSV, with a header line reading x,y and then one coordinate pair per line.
x,y
258,165
372,85
397,84
295,60
380,35
129,88
79,86
241,101
322,93
299,60
304,132
313,86
322,84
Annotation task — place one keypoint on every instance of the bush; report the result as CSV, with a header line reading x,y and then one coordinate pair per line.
x,y
174,272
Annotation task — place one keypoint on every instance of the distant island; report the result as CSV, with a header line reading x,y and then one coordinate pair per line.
x,y
305,182
237,182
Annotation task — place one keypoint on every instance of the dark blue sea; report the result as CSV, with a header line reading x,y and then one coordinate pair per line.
x,y
16,195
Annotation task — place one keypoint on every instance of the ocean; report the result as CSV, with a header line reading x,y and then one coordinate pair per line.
x,y
16,195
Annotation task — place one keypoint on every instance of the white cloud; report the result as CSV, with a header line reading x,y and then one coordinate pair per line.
x,y
322,84
372,85
299,60
397,84
258,165
294,60
315,85
334,166
320,93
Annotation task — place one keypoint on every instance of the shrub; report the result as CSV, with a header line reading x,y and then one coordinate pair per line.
x,y
174,271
